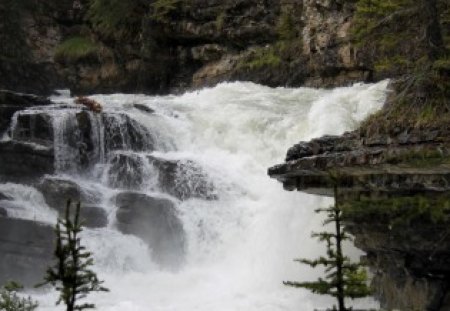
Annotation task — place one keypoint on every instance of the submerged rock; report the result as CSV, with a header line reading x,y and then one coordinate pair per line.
x,y
126,170
155,221
124,133
57,191
143,108
183,179
26,249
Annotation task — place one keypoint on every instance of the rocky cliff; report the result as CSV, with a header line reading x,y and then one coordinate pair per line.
x,y
394,188
188,44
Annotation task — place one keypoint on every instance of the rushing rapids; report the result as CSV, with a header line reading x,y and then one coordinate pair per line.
x,y
220,235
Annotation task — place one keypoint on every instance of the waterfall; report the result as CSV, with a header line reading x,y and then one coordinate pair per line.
x,y
205,153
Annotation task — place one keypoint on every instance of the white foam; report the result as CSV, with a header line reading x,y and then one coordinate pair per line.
x,y
241,247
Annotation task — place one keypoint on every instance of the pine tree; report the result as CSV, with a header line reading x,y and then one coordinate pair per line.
x,y
343,278
71,275
408,38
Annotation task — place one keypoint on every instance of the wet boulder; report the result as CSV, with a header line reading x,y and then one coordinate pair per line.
x,y
57,191
156,222
34,127
25,162
126,171
144,108
26,249
183,179
93,216
11,102
124,133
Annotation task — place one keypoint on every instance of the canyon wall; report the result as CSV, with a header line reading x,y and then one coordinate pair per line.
x,y
55,44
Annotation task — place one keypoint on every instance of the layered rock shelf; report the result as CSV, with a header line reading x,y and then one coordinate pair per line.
x,y
394,190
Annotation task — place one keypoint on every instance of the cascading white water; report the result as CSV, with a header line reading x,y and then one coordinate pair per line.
x,y
240,246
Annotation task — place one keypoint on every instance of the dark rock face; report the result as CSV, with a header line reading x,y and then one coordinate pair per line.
x,y
154,220
26,249
30,33
181,179
390,185
124,133
126,171
57,191
35,128
195,45
23,161
93,216
11,102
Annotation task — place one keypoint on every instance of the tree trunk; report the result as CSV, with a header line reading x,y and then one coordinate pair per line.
x,y
339,259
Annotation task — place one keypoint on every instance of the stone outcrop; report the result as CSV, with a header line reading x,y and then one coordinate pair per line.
x,y
155,221
25,161
182,179
11,102
57,191
394,189
277,43
26,249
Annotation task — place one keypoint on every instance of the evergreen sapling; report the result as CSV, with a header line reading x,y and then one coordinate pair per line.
x,y
71,275
343,279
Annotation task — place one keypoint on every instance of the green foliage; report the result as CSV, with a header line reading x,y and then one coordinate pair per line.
x,y
343,279
286,26
161,9
71,275
390,29
10,300
403,34
220,21
261,57
442,63
76,48
117,18
420,158
400,211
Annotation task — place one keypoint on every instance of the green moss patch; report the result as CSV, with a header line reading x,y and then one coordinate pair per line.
x,y
75,49
260,58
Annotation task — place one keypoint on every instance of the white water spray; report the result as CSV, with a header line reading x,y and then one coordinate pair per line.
x,y
239,247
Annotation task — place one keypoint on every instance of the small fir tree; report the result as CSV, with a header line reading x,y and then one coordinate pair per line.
x,y
10,300
343,278
71,275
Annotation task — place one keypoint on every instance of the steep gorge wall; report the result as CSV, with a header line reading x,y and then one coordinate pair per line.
x,y
196,43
